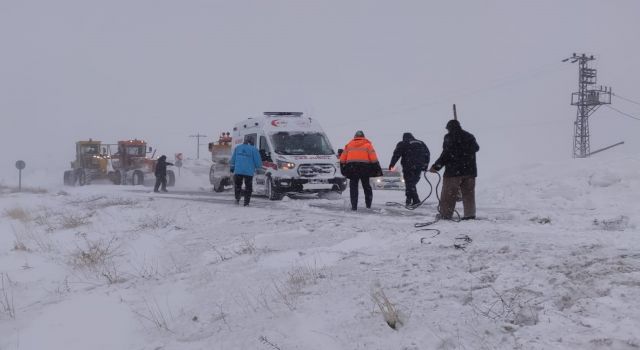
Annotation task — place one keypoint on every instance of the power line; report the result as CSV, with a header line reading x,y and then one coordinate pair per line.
x,y
399,109
623,113
198,136
626,99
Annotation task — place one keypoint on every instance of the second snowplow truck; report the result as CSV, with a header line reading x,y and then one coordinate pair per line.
x,y
132,166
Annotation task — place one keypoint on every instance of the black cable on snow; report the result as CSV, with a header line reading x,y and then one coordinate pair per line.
x,y
422,226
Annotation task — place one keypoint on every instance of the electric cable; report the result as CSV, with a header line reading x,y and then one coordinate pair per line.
x,y
417,205
626,99
623,113
422,226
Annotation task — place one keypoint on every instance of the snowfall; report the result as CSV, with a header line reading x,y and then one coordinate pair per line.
x,y
553,262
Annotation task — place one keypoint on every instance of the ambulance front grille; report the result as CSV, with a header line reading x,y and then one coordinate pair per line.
x,y
313,170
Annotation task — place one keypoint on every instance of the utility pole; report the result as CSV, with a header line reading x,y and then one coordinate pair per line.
x,y
198,136
587,99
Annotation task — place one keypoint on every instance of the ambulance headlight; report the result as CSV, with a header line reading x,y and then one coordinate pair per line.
x,y
285,165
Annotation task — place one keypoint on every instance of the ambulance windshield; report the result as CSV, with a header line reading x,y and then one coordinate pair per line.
x,y
301,143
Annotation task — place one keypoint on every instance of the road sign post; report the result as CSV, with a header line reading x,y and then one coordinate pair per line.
x,y
178,162
20,165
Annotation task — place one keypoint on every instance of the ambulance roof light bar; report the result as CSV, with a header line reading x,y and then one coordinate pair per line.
x,y
281,114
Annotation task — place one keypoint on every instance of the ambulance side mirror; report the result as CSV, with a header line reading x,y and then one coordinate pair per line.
x,y
265,156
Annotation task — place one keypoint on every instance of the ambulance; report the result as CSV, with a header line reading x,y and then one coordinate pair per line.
x,y
297,156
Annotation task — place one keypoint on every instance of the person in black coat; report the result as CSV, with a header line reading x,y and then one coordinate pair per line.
x,y
161,173
459,160
415,159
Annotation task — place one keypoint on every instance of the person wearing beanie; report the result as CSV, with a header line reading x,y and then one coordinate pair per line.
x,y
415,159
459,160
359,162
161,174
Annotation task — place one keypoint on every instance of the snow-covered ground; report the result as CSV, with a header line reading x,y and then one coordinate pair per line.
x,y
553,263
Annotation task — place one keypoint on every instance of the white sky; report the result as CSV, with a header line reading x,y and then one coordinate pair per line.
x,y
162,70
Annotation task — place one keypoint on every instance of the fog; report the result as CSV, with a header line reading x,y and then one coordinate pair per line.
x,y
164,70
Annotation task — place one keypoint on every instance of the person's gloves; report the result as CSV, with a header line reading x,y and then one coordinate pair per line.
x,y
425,167
233,169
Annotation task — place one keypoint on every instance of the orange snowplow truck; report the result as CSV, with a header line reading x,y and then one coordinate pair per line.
x,y
219,174
131,166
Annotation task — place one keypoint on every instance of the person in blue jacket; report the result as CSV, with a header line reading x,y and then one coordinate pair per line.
x,y
244,162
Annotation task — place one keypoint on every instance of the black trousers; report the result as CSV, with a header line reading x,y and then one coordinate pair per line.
x,y
160,180
411,179
248,187
353,190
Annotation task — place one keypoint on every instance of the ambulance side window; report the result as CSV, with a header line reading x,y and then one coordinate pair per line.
x,y
265,152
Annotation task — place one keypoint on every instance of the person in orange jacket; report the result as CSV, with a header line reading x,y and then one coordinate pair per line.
x,y
359,162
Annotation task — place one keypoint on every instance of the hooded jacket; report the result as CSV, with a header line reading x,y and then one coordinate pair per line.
x,y
458,152
245,160
360,159
414,154
161,166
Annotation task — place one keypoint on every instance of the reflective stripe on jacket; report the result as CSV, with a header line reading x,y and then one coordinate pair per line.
x,y
358,150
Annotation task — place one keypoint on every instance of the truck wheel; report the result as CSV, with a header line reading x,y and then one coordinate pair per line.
x,y
116,177
171,178
137,178
82,177
219,187
211,178
271,192
69,179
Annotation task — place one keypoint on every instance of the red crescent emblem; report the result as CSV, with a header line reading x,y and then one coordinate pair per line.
x,y
275,122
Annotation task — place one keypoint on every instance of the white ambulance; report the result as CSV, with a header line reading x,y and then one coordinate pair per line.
x,y
297,156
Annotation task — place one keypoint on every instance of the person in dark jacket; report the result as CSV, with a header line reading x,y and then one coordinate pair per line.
x,y
459,160
244,162
359,162
161,174
415,159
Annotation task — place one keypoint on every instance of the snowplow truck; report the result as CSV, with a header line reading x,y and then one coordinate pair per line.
x,y
91,163
220,174
131,166
296,155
